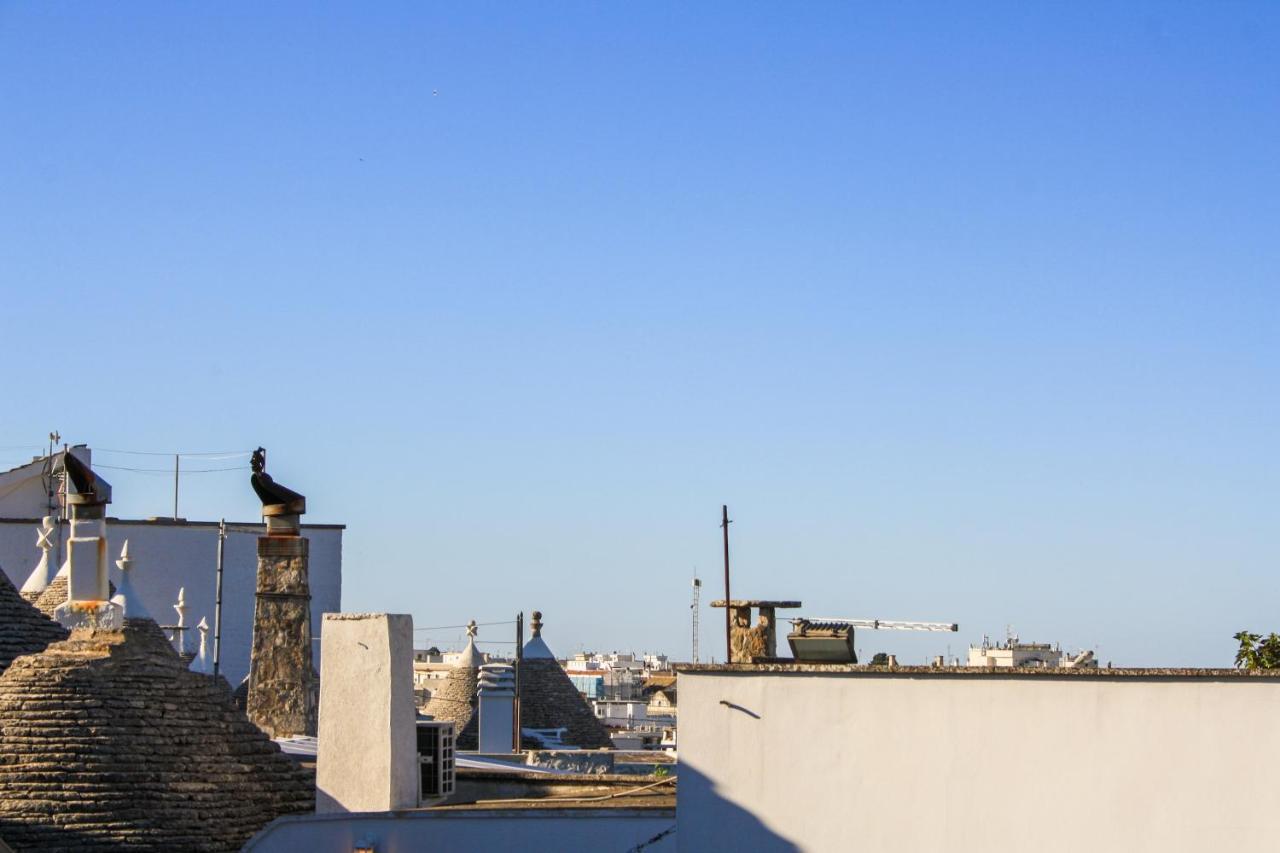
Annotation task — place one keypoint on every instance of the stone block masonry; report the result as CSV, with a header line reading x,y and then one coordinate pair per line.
x,y
281,697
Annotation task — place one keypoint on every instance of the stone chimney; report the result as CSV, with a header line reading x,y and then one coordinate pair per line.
x,y
88,589
747,641
281,702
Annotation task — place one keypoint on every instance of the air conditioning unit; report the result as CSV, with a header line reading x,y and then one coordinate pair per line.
x,y
436,769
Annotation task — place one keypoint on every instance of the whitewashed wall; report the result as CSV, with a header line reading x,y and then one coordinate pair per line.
x,y
822,762
168,555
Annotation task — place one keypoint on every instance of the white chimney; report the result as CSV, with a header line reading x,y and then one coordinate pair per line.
x,y
497,697
367,757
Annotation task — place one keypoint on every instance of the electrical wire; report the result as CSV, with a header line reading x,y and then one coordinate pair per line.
x,y
183,471
224,453
478,625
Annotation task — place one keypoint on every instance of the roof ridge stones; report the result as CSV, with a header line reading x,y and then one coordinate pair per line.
x,y
107,740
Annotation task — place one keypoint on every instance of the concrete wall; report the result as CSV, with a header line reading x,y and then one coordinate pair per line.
x,y
367,757
510,830
169,555
917,762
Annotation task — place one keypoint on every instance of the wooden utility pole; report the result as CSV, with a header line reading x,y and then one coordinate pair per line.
x,y
728,609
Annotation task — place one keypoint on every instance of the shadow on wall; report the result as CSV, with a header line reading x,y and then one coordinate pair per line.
x,y
709,823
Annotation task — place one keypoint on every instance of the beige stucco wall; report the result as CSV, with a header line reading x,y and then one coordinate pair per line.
x,y
819,762
367,752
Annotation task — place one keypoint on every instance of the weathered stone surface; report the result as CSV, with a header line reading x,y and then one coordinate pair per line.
x,y
548,700
23,629
281,698
455,700
107,741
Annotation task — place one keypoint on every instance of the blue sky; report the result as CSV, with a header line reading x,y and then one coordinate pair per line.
x,y
968,313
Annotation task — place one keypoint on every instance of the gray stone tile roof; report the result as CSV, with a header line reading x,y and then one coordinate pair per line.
x,y
107,741
548,700
455,700
23,629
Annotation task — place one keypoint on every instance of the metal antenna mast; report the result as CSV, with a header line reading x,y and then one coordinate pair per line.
x,y
697,589
728,600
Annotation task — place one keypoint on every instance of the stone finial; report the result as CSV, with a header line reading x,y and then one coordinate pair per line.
x,y
41,575
125,560
471,628
181,607
44,535
203,627
126,596
536,624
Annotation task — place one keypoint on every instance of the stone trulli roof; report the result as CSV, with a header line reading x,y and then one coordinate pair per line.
x,y
455,700
548,699
108,742
23,629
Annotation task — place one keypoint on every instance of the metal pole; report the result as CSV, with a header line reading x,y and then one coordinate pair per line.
x,y
62,512
519,657
217,601
176,457
728,642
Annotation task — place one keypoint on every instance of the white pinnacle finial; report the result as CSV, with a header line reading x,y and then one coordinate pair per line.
x,y
40,576
471,628
203,628
126,596
181,607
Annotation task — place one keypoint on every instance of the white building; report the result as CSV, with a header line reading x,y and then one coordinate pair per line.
x,y
168,555
818,757
1015,653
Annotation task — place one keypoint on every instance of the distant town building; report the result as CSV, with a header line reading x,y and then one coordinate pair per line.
x,y
1014,653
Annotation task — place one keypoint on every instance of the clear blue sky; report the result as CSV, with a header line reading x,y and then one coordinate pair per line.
x,y
968,313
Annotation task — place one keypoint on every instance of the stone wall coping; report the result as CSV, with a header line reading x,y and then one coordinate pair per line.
x,y
181,522
857,670
758,602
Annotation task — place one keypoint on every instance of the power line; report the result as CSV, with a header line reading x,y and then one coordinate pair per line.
x,y
478,625
225,454
170,470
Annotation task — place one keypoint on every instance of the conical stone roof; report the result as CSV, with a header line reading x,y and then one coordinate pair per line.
x,y
23,629
548,699
107,742
456,699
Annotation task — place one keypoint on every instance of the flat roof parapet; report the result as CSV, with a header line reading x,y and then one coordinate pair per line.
x,y
868,670
757,602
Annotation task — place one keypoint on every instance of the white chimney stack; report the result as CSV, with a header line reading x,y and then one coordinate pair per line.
x,y
497,692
